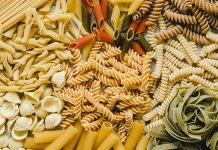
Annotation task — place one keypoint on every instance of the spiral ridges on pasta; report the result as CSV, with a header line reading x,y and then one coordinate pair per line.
x,y
148,116
205,5
122,96
207,75
212,62
213,56
212,20
208,49
122,132
153,125
175,61
208,67
199,39
162,24
111,103
67,122
110,51
64,96
106,80
128,120
181,4
135,56
112,90
201,20
160,58
171,32
96,90
131,63
158,5
90,117
78,104
143,10
95,125
151,39
101,60
118,65
134,101
200,80
174,51
175,44
194,28
178,74
170,65
83,67
180,18
212,36
68,70
87,108
81,78
132,82
95,50
76,56
146,70
105,111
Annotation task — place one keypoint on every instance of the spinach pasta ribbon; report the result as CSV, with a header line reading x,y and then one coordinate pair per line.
x,y
192,115
213,141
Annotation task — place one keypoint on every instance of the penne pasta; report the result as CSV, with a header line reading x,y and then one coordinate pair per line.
x,y
109,142
123,7
47,136
87,48
87,6
63,139
30,144
142,26
93,23
99,15
82,41
78,9
134,6
108,29
134,135
104,131
104,8
120,22
81,141
73,142
89,140
144,43
143,142
85,18
117,38
71,7
115,16
119,146
103,36
128,40
134,25
120,1
137,48
126,22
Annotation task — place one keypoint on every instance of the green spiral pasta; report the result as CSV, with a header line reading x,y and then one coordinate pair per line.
x,y
192,115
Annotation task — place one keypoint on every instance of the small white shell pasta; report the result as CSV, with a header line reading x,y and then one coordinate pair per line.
x,y
40,126
5,148
19,135
1,101
3,140
52,104
22,123
26,108
30,97
40,112
10,124
34,122
52,120
15,144
2,120
12,97
59,79
9,110
48,91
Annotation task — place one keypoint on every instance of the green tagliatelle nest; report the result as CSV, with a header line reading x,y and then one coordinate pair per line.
x,y
212,142
192,115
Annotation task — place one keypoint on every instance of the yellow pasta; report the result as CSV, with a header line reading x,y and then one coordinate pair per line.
x,y
87,48
104,131
71,7
89,140
30,143
120,1
109,142
119,146
81,141
63,139
143,142
72,143
115,16
134,135
47,136
120,22
108,29
78,9
134,6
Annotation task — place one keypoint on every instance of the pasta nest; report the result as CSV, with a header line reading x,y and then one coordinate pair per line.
x,y
192,115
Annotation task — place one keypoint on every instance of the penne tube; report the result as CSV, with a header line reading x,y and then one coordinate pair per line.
x,y
89,2
109,142
134,135
60,17
73,142
87,48
7,47
137,48
93,23
63,139
134,6
143,42
118,40
109,13
10,32
10,88
143,142
123,7
30,143
87,6
119,146
104,131
108,29
115,16
99,15
142,26
120,22
126,22
47,6
89,140
120,1
71,6
127,40
81,141
103,36
47,136
85,18
104,8
78,9
134,25
82,41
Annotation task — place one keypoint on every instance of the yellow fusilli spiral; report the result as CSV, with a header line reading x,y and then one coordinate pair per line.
x,y
182,4
213,56
112,90
159,63
87,108
174,51
212,20
110,51
208,49
90,117
81,78
68,70
199,80
95,125
96,90
76,57
154,124
105,111
128,121
132,82
106,80
122,132
64,96
118,65
162,24
205,5
67,122
175,61
212,36
208,67
95,50
78,104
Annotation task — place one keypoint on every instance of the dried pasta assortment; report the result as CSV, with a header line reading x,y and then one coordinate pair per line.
x,y
108,74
